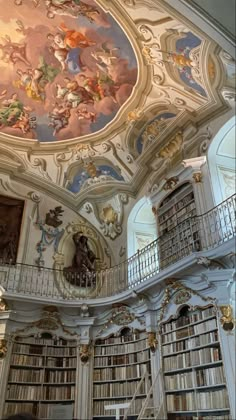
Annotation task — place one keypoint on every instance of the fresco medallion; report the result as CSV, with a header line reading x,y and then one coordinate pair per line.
x,y
66,69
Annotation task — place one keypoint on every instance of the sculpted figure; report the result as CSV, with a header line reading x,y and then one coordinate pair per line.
x,y
82,271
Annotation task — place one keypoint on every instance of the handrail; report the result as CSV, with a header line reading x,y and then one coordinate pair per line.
x,y
197,233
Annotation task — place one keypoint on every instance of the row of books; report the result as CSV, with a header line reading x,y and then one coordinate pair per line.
x,y
120,348
122,359
25,375
47,341
19,407
99,410
61,362
46,351
116,389
24,392
191,343
177,207
191,330
198,401
25,360
58,392
190,318
120,373
60,376
121,339
200,377
194,358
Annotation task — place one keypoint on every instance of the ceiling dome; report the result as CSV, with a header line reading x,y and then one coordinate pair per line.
x,y
67,67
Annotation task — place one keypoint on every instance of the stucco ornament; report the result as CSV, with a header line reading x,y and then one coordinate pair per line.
x,y
182,297
50,232
168,151
110,225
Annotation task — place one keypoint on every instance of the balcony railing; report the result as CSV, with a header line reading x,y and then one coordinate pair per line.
x,y
199,233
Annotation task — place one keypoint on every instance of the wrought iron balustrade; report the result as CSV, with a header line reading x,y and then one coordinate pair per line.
x,y
198,233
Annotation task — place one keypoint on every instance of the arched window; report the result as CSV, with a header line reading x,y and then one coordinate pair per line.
x,y
141,229
222,162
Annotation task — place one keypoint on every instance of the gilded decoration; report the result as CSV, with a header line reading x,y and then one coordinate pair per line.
x,y
227,320
182,297
3,305
152,341
3,348
197,177
170,183
121,316
174,146
183,292
84,353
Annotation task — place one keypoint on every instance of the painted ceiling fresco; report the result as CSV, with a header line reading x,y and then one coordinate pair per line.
x,y
66,68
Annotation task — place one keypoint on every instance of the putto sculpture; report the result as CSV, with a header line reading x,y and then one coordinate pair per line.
x,y
82,271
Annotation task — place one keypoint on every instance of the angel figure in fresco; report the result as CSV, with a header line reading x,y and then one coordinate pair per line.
x,y
73,93
72,8
84,114
33,81
59,117
99,86
14,114
105,56
23,122
13,52
10,110
62,43
74,39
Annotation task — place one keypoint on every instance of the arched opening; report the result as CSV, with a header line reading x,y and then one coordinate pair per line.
x,y
141,228
222,161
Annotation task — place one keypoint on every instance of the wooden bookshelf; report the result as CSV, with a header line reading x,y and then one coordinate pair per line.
x,y
119,363
194,379
178,231
42,377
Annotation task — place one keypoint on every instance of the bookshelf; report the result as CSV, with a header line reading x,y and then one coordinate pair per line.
x,y
42,377
178,231
194,379
119,363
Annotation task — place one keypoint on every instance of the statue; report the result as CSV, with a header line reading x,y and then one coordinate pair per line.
x,y
82,271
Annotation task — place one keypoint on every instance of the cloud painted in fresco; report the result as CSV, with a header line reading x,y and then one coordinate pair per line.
x,y
82,176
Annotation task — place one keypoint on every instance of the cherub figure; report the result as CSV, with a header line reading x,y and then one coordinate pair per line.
x,y
72,8
13,52
59,117
83,113
106,56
